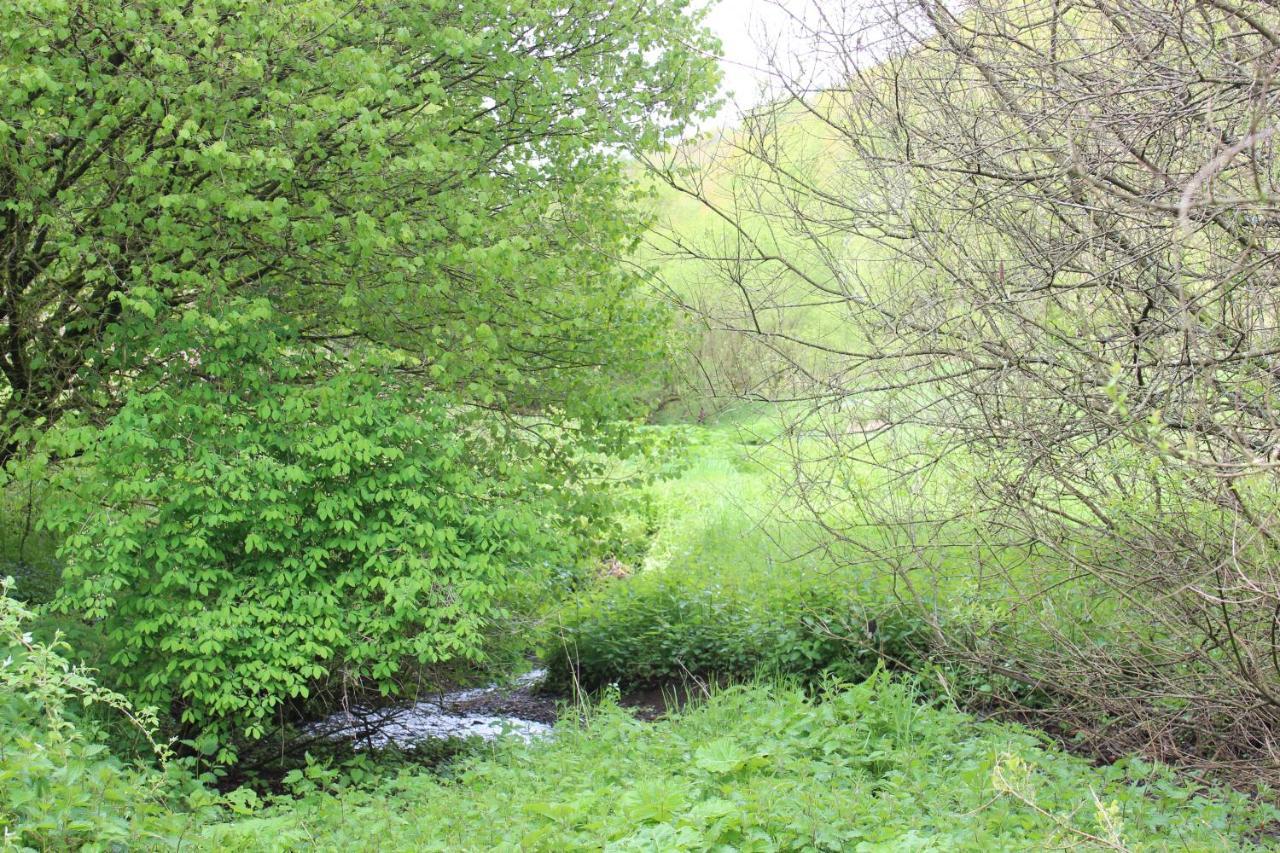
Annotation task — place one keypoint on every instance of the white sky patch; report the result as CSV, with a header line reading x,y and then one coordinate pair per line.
x,y
746,29
807,40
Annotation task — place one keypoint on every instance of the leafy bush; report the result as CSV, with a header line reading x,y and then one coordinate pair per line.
x,y
266,521
665,625
760,768
443,179
58,788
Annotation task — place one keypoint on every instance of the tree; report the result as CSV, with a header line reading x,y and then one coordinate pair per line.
x,y
438,178
1043,239
318,308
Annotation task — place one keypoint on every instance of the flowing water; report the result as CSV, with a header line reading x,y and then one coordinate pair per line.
x,y
477,712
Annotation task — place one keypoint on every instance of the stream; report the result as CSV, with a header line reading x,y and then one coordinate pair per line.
x,y
488,712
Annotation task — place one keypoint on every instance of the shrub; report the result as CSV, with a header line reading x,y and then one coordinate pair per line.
x,y
267,522
665,625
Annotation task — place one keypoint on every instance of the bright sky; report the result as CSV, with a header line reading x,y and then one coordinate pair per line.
x,y
745,28
759,33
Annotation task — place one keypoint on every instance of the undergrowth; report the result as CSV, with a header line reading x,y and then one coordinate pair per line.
x,y
769,768
720,592
60,786
664,626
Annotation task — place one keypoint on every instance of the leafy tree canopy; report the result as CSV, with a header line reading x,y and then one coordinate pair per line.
x,y
435,177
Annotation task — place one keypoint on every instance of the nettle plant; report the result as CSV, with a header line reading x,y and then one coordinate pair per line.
x,y
262,522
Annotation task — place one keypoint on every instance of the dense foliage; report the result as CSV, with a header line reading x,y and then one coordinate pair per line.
x,y
59,789
256,526
757,767
323,351
733,622
437,178
765,768
305,308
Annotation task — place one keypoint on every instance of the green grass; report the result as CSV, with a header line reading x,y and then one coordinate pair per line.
x,y
766,768
730,587
720,591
